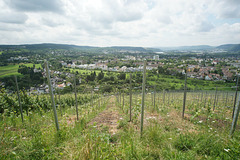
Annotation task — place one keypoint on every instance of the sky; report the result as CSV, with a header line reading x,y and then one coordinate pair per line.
x,y
146,23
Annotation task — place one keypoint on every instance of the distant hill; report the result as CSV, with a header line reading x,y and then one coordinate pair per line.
x,y
155,49
128,48
187,48
200,47
230,47
67,46
226,47
44,46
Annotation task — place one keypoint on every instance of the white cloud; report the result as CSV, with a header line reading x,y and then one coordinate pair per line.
x,y
13,17
35,5
120,22
225,8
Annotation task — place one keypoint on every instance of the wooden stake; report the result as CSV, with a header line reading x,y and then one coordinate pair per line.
x,y
19,98
235,118
130,96
215,99
235,98
51,94
59,99
143,95
185,94
75,91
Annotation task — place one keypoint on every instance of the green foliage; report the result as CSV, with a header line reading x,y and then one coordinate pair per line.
x,y
184,142
9,102
122,76
92,76
100,75
233,150
106,88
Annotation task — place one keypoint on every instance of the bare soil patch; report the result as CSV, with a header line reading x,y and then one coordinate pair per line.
x,y
175,120
108,118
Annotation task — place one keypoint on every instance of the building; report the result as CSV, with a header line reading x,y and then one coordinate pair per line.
x,y
156,57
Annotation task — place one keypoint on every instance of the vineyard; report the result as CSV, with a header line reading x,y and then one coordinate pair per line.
x,y
121,125
104,129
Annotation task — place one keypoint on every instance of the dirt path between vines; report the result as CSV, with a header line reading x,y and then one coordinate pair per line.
x,y
107,118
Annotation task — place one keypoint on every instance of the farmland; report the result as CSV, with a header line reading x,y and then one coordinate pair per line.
x,y
6,71
95,121
104,131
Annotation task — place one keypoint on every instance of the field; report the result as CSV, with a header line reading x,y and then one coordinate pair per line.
x,y
169,82
84,71
12,69
104,129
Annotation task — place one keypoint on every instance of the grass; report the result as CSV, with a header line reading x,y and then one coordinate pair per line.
x,y
165,134
10,70
37,137
173,83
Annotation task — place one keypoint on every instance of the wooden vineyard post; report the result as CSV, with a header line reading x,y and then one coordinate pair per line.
x,y
235,98
235,117
130,96
154,97
51,94
143,95
19,98
215,99
56,101
75,91
185,94
59,99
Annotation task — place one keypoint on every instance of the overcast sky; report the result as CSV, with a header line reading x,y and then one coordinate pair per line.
x,y
147,23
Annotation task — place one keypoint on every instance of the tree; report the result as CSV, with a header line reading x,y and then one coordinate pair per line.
x,y
160,70
100,75
107,88
91,77
122,76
